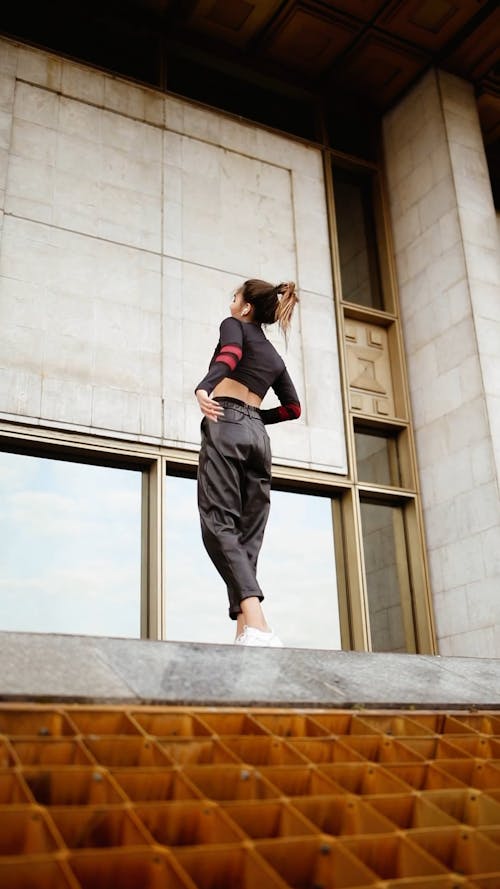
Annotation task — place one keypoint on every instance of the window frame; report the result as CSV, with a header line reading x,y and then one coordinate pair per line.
x,y
50,446
402,565
398,435
299,482
374,216
355,605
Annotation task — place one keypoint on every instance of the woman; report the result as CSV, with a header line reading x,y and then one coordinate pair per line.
x,y
234,474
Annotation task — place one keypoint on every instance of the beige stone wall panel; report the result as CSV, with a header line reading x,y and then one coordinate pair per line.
x,y
479,232
8,59
130,219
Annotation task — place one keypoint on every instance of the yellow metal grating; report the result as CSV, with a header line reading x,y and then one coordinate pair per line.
x,y
209,798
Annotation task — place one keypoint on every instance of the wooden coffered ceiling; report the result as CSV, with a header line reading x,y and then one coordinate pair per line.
x,y
318,38
366,52
373,49
369,51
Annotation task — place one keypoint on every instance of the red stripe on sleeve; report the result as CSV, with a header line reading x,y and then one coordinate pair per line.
x,y
230,355
234,349
289,411
228,359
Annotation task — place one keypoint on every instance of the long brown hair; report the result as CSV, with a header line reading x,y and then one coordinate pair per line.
x,y
271,302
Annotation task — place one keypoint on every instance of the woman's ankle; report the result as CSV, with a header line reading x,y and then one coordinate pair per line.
x,y
253,615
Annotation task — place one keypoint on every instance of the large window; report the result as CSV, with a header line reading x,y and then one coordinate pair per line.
x,y
296,572
383,583
70,536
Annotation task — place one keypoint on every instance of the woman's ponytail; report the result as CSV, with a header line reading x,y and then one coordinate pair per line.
x,y
271,303
287,299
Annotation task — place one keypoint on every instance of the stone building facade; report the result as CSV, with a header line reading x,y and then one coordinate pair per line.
x,y
128,217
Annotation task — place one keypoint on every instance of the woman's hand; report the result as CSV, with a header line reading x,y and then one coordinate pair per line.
x,y
212,409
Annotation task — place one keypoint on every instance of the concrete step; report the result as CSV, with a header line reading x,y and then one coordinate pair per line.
x,y
49,667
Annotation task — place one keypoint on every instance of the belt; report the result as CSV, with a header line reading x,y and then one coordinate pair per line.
x,y
242,406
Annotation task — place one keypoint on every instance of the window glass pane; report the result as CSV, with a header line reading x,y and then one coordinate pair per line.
x,y
350,130
377,459
296,572
71,547
386,577
359,265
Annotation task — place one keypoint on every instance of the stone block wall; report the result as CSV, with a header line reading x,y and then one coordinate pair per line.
x,y
443,223
128,218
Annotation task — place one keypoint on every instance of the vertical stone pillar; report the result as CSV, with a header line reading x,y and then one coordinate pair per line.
x,y
8,62
443,222
478,225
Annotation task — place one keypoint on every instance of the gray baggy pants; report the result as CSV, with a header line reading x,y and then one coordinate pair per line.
x,y
234,481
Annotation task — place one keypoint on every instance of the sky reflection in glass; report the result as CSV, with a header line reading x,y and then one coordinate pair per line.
x,y
296,572
70,547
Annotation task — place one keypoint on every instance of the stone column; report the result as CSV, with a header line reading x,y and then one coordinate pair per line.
x,y
8,61
444,229
477,219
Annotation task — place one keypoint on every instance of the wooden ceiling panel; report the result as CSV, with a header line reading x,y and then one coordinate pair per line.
x,y
362,54
157,6
235,22
429,24
488,104
307,39
365,10
379,69
479,53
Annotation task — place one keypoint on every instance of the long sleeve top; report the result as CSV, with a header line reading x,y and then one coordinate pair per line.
x,y
243,353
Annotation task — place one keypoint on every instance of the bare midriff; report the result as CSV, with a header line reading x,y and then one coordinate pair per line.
x,y
232,389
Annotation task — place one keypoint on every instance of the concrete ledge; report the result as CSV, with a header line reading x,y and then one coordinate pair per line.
x,y
43,667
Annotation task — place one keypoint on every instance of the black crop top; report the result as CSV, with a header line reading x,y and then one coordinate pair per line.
x,y
244,354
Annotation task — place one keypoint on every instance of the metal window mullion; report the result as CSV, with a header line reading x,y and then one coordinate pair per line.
x,y
353,606
152,573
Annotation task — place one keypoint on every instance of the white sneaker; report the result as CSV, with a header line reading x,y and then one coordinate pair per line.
x,y
253,636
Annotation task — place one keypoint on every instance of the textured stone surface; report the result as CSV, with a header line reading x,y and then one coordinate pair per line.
x,y
478,224
71,668
446,247
130,218
39,666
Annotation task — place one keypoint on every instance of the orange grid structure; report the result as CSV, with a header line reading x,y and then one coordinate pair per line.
x,y
209,798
